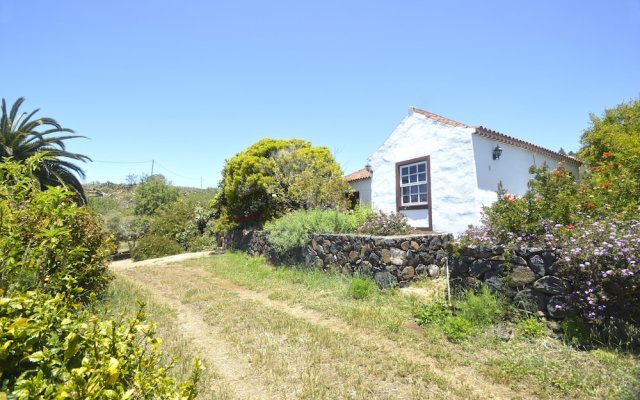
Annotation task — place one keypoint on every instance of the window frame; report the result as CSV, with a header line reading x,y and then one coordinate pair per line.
x,y
427,205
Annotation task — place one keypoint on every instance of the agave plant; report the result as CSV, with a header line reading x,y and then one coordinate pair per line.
x,y
22,137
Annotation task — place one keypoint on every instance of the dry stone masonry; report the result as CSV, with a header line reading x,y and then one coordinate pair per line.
x,y
390,260
526,276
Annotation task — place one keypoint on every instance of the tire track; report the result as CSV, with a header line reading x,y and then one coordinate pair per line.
x,y
462,379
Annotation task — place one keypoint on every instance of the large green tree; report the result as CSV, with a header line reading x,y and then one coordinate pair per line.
x,y
611,151
21,137
152,194
272,177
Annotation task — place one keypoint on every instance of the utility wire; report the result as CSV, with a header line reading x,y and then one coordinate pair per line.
x,y
121,162
200,179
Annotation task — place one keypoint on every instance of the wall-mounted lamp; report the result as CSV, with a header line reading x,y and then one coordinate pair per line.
x,y
497,152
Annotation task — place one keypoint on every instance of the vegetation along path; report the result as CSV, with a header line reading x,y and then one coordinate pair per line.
x,y
287,334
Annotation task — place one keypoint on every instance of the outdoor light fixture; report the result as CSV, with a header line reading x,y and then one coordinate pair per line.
x,y
497,152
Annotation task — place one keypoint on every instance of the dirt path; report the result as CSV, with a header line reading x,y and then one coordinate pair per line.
x,y
169,285
163,261
232,367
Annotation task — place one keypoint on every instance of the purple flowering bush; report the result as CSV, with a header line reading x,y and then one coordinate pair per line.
x,y
600,257
599,254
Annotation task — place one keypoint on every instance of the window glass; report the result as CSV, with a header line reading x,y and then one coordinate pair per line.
x,y
413,183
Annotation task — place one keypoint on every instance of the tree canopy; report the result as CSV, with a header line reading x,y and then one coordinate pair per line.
x,y
272,177
21,137
614,136
611,151
153,193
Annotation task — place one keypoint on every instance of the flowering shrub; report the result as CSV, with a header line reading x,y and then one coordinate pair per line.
x,y
601,259
383,224
611,187
551,197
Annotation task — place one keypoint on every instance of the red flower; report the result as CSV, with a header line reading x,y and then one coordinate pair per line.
x,y
606,185
606,154
590,206
569,227
558,172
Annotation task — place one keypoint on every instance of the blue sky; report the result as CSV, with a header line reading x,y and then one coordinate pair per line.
x,y
191,83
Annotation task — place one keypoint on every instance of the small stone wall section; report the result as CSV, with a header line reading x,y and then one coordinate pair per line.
x,y
389,260
527,276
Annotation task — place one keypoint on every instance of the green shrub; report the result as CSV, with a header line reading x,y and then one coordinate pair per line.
x,y
611,152
361,288
103,205
175,222
272,177
552,197
531,327
202,243
457,329
52,349
435,312
46,239
575,331
154,246
382,224
292,230
480,309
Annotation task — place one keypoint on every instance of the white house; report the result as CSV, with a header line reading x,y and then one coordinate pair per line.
x,y
439,172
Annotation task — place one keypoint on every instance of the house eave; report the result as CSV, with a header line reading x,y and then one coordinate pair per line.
x,y
502,138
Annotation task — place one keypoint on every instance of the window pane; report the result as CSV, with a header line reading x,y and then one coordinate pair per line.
x,y
413,178
405,199
422,167
423,188
414,198
412,169
422,177
405,179
414,190
404,171
405,191
423,198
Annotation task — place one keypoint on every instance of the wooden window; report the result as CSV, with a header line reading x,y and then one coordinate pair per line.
x,y
413,184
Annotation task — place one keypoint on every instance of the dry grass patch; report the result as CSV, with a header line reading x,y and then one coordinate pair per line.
x,y
123,299
542,367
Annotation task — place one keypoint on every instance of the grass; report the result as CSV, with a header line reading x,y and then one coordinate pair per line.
x,y
123,299
342,347
327,293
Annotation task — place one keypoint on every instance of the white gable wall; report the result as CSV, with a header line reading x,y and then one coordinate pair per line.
x,y
453,175
512,168
364,188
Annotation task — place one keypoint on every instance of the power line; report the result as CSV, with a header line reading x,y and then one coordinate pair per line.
x,y
156,163
201,179
174,173
121,162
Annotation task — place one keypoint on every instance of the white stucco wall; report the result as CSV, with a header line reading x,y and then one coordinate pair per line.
x,y
364,187
512,168
453,177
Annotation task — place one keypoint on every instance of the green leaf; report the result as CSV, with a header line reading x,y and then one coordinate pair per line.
x,y
37,356
71,345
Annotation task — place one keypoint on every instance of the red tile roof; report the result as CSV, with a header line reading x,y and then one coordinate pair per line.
x,y
359,175
500,137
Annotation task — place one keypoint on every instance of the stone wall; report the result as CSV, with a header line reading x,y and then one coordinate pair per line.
x,y
389,260
527,276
